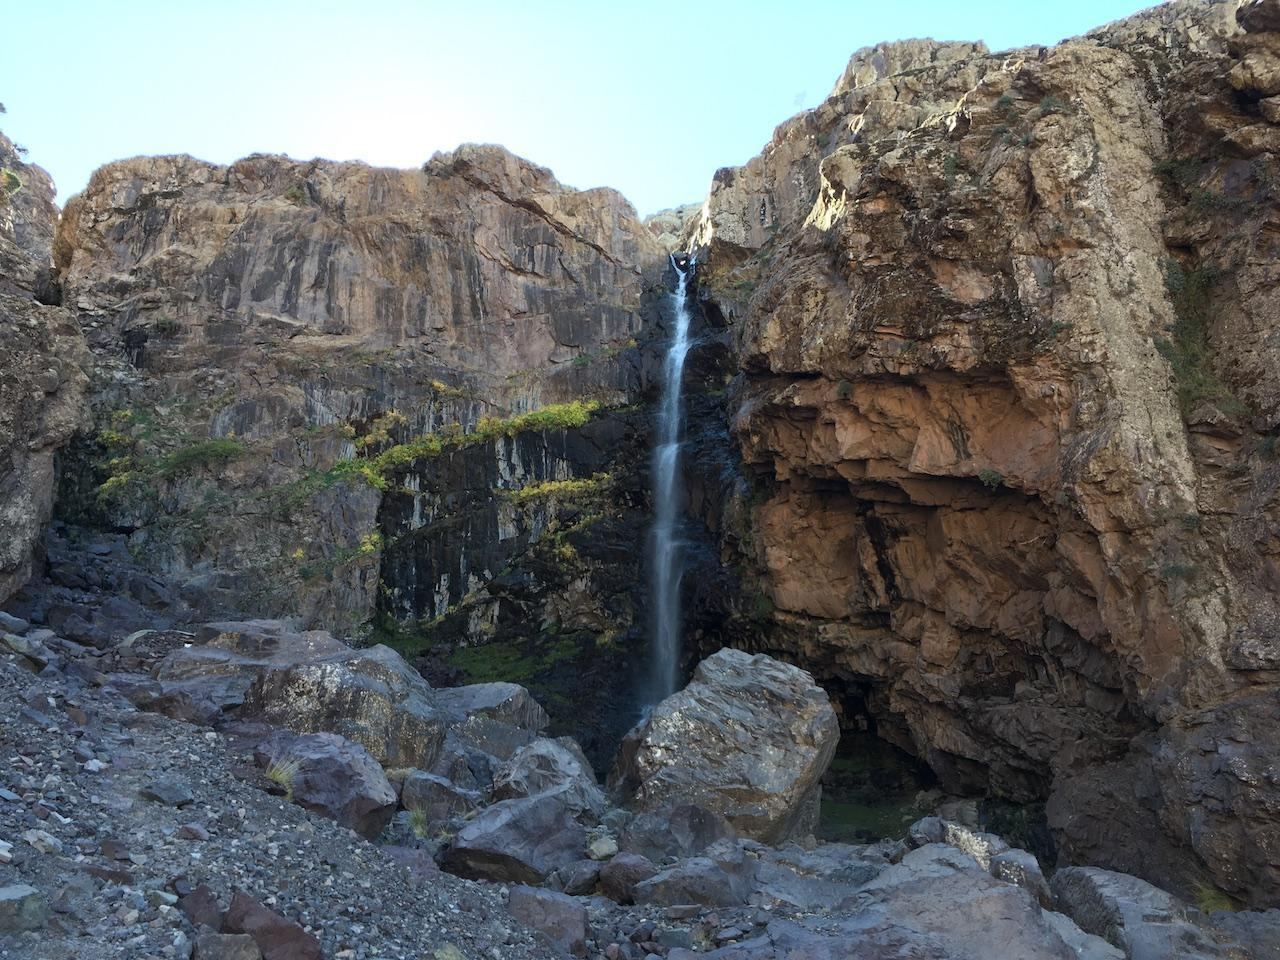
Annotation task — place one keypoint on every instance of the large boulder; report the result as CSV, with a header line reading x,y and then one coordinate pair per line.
x,y
309,682
723,877
681,830
522,839
547,765
438,799
749,737
332,776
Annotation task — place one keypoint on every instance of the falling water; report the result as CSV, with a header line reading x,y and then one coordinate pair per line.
x,y
665,557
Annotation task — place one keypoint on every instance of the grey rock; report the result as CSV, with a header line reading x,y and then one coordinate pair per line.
x,y
1256,931
11,624
550,765
1144,921
224,946
558,917
439,799
749,737
683,830
523,839
168,791
578,879
722,877
507,703
22,908
309,683
334,777
1021,868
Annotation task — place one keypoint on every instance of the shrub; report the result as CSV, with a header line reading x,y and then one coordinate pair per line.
x,y
1187,349
990,479
283,772
297,194
1051,104
1005,102
10,182
419,823
204,453
166,326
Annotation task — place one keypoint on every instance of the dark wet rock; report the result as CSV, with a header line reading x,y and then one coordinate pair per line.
x,y
722,877
551,765
522,839
749,737
618,877
277,937
560,918
22,908
683,830
332,776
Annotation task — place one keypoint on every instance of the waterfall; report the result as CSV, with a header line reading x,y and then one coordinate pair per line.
x,y
666,561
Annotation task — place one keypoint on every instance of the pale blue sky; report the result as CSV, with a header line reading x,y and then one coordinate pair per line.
x,y
649,98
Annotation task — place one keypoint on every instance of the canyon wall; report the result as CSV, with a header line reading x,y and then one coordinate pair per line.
x,y
1007,399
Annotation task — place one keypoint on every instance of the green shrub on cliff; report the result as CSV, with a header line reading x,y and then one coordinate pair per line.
x,y
201,454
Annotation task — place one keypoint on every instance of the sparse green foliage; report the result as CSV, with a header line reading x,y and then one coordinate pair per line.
x,y
1005,101
201,454
572,489
1178,571
1187,349
1191,521
1051,104
1058,327
1267,447
297,194
419,823
165,326
949,168
990,478
10,182
1210,899
844,390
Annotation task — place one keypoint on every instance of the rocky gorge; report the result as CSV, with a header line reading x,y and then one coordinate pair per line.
x,y
325,489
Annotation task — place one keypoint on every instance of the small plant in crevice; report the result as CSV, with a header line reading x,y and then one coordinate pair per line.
x,y
10,182
990,478
419,824
297,194
283,773
1005,102
1268,448
1051,104
1209,899
1178,571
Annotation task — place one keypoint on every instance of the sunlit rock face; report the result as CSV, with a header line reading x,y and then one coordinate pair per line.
x,y
41,384
749,738
1006,336
254,326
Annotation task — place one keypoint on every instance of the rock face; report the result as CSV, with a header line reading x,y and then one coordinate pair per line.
x,y
749,738
1006,398
42,384
255,327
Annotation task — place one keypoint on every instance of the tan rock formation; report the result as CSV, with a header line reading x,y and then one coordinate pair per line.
x,y
1006,326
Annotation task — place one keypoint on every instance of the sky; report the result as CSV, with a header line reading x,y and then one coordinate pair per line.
x,y
649,98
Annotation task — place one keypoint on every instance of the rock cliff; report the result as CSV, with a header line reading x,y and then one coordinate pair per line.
x,y
41,351
1004,328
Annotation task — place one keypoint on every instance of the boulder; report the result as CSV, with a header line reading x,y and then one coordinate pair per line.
x,y
1259,16
682,830
559,918
465,765
578,879
277,937
1142,920
750,737
332,776
440,800
551,765
309,683
22,908
618,877
522,839
722,877
507,703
